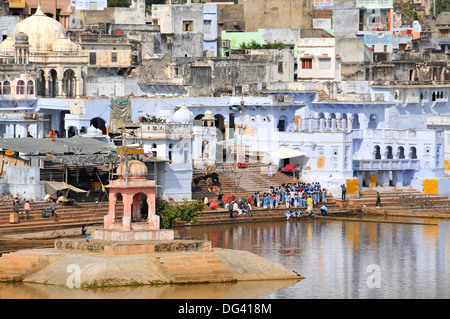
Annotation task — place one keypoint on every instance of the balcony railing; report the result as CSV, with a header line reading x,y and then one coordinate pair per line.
x,y
385,164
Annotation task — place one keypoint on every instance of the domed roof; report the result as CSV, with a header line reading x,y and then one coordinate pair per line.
x,y
136,170
7,45
183,115
21,38
92,131
208,115
42,31
64,44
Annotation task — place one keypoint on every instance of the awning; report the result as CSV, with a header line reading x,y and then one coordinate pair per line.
x,y
52,188
53,104
285,152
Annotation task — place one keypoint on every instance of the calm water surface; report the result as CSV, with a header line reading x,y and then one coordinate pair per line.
x,y
339,259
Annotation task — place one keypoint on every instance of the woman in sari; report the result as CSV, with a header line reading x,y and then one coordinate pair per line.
x,y
270,170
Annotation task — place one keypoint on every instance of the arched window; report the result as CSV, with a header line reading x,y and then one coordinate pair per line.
x,y
377,152
20,89
400,152
170,153
389,154
30,87
355,121
412,152
282,123
6,88
372,121
72,131
99,123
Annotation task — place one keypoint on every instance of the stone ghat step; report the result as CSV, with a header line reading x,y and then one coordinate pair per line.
x,y
50,225
61,217
63,212
257,216
194,268
402,201
14,266
39,207
372,194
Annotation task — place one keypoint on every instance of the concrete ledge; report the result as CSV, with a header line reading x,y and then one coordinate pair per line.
x,y
133,235
130,248
100,270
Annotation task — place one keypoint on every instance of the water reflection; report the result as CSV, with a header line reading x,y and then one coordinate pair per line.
x,y
337,259
239,290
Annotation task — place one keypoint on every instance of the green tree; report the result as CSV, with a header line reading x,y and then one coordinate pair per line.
x,y
169,214
119,3
152,119
441,6
253,45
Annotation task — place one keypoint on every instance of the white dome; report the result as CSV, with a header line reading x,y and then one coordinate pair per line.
x,y
42,31
183,115
209,116
91,130
7,45
64,44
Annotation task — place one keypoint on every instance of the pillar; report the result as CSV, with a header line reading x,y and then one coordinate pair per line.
x,y
60,92
399,178
111,217
153,219
47,91
126,219
77,87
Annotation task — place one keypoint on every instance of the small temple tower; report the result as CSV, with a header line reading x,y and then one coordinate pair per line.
x,y
131,185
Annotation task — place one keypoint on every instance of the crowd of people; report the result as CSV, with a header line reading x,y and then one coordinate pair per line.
x,y
293,196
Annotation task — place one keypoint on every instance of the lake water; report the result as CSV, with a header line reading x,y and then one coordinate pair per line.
x,y
339,259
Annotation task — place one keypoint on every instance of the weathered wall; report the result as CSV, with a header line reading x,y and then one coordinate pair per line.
x,y
281,14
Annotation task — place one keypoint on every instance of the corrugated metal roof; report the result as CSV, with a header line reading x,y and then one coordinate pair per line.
x,y
76,145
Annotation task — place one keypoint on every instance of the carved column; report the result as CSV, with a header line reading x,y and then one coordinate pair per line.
x,y
153,219
126,219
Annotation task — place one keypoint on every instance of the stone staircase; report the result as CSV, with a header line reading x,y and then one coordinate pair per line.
x,y
405,201
17,265
242,182
80,214
194,268
222,216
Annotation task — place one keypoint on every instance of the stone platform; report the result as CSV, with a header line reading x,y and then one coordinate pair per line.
x,y
107,247
133,235
183,267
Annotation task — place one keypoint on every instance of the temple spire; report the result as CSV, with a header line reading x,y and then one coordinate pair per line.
x,y
38,10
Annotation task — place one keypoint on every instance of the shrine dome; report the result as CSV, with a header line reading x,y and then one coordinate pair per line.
x,y
136,170
42,31
64,44
7,45
183,115
209,116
